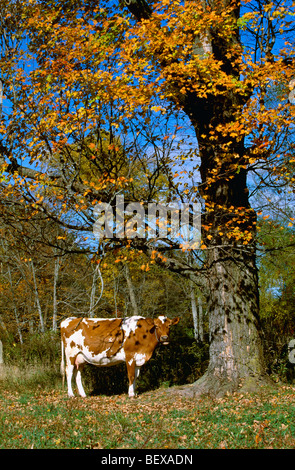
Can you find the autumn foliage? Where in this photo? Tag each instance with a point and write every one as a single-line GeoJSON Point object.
{"type": "Point", "coordinates": [185, 102]}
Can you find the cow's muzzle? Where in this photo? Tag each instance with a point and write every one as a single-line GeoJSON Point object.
{"type": "Point", "coordinates": [164, 339]}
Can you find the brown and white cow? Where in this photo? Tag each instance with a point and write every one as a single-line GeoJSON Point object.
{"type": "Point", "coordinates": [105, 342]}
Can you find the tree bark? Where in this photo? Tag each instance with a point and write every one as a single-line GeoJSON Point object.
{"type": "Point", "coordinates": [236, 353]}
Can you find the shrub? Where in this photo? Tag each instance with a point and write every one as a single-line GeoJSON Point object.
{"type": "Point", "coordinates": [37, 349]}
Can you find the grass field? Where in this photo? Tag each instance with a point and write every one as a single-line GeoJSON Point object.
{"type": "Point", "coordinates": [46, 419]}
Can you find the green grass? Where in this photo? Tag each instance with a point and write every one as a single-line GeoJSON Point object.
{"type": "Point", "coordinates": [47, 419]}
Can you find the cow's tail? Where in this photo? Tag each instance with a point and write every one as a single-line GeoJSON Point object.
{"type": "Point", "coordinates": [62, 364]}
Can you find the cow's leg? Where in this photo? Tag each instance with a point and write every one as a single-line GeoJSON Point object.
{"type": "Point", "coordinates": [133, 373]}
{"type": "Point", "coordinates": [137, 371]}
{"type": "Point", "coordinates": [79, 382]}
{"type": "Point", "coordinates": [79, 362]}
{"type": "Point", "coordinates": [69, 374]}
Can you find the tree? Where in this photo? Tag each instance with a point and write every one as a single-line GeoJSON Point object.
{"type": "Point", "coordinates": [119, 66]}
{"type": "Point", "coordinates": [197, 51]}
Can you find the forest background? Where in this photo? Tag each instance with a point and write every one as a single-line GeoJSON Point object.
{"type": "Point", "coordinates": [86, 115]}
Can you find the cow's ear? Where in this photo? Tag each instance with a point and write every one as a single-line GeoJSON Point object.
{"type": "Point", "coordinates": [149, 322]}
{"type": "Point", "coordinates": [175, 321]}
{"type": "Point", "coordinates": [152, 330]}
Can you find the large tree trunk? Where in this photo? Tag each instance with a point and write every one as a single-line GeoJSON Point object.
{"type": "Point", "coordinates": [236, 352]}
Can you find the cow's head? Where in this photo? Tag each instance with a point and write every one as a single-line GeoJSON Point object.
{"type": "Point", "coordinates": [162, 330]}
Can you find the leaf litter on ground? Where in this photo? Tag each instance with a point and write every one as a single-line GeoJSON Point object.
{"type": "Point", "coordinates": [159, 419]}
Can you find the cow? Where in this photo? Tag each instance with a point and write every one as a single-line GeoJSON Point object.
{"type": "Point", "coordinates": [105, 342]}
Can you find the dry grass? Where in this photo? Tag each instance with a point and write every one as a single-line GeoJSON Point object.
{"type": "Point", "coordinates": [28, 378]}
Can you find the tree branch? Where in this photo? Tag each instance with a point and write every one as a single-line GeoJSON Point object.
{"type": "Point", "coordinates": [56, 180]}
{"type": "Point", "coordinates": [139, 8]}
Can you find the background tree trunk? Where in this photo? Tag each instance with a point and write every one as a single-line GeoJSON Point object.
{"type": "Point", "coordinates": [194, 311]}
{"type": "Point", "coordinates": [37, 300]}
{"type": "Point", "coordinates": [93, 301]}
{"type": "Point", "coordinates": [91, 312]}
{"type": "Point", "coordinates": [55, 301]}
{"type": "Point", "coordinates": [200, 319]}
{"type": "Point", "coordinates": [131, 290]}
